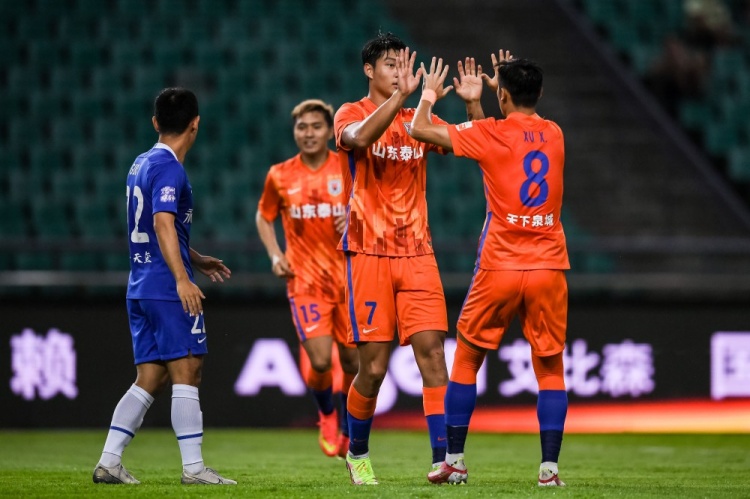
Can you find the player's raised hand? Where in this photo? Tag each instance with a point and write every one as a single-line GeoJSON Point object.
{"type": "Point", "coordinates": [213, 268]}
{"type": "Point", "coordinates": [281, 268]}
{"type": "Point", "coordinates": [408, 81]}
{"type": "Point", "coordinates": [469, 82]}
{"type": "Point", "coordinates": [435, 78]}
{"type": "Point", "coordinates": [190, 296]}
{"type": "Point", "coordinates": [502, 58]}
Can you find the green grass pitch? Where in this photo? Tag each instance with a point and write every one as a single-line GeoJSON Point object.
{"type": "Point", "coordinates": [288, 463]}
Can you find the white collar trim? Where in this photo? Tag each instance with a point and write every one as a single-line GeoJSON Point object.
{"type": "Point", "coordinates": [160, 145]}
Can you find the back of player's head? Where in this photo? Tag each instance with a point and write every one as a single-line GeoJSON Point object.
{"type": "Point", "coordinates": [522, 78]}
{"type": "Point", "coordinates": [174, 109]}
{"type": "Point", "coordinates": [381, 44]}
{"type": "Point", "coordinates": [312, 105]}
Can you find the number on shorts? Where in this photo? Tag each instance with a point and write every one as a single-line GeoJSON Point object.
{"type": "Point", "coordinates": [196, 329]}
{"type": "Point", "coordinates": [372, 305]}
{"type": "Point", "coordinates": [314, 314]}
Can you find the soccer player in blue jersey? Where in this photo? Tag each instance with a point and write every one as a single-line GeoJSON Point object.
{"type": "Point", "coordinates": [164, 303]}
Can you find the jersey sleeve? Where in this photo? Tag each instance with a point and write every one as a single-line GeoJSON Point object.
{"type": "Point", "coordinates": [167, 181]}
{"type": "Point", "coordinates": [270, 201]}
{"type": "Point", "coordinates": [470, 139]}
{"type": "Point", "coordinates": [346, 115]}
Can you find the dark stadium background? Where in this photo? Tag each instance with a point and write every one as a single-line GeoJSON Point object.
{"type": "Point", "coordinates": [657, 201]}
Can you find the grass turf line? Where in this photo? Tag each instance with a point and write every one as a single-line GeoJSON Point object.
{"type": "Point", "coordinates": [288, 463]}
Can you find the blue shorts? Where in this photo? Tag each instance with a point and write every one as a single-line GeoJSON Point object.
{"type": "Point", "coordinates": [162, 331]}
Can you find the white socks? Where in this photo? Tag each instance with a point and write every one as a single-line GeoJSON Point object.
{"type": "Point", "coordinates": [187, 422]}
{"type": "Point", "coordinates": [549, 465]}
{"type": "Point", "coordinates": [126, 420]}
{"type": "Point", "coordinates": [455, 460]}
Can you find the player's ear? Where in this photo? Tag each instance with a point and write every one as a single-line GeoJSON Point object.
{"type": "Point", "coordinates": [155, 124]}
{"type": "Point", "coordinates": [541, 92]}
{"type": "Point", "coordinates": [194, 123]}
{"type": "Point", "coordinates": [369, 70]}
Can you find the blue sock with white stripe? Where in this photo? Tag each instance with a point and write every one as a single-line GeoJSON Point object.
{"type": "Point", "coordinates": [187, 422]}
{"type": "Point", "coordinates": [126, 420]}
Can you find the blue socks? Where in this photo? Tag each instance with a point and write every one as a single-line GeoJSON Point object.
{"type": "Point", "coordinates": [460, 401]}
{"type": "Point", "coordinates": [436, 426]}
{"type": "Point", "coordinates": [552, 407]}
{"type": "Point", "coordinates": [324, 399]}
{"type": "Point", "coordinates": [359, 435]}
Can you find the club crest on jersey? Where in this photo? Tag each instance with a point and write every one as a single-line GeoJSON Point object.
{"type": "Point", "coordinates": [334, 186]}
{"type": "Point", "coordinates": [168, 194]}
{"type": "Point", "coordinates": [407, 127]}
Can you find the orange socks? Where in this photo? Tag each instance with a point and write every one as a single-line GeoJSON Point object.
{"type": "Point", "coordinates": [360, 406]}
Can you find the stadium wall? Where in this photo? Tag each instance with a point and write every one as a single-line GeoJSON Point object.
{"type": "Point", "coordinates": [66, 364]}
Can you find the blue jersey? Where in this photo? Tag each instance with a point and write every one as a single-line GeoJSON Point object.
{"type": "Point", "coordinates": [156, 182]}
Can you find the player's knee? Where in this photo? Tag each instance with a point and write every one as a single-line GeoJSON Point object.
{"type": "Point", "coordinates": [549, 371]}
{"type": "Point", "coordinates": [320, 365]}
{"type": "Point", "coordinates": [373, 374]}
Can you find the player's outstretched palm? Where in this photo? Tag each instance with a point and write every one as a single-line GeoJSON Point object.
{"type": "Point", "coordinates": [408, 81]}
{"type": "Point", "coordinates": [435, 78]}
{"type": "Point", "coordinates": [502, 58]}
{"type": "Point", "coordinates": [469, 82]}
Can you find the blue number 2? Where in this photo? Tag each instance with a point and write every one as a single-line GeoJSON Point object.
{"type": "Point", "coordinates": [535, 178]}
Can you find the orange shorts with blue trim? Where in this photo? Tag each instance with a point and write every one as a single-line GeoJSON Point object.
{"type": "Point", "coordinates": [314, 317]}
{"type": "Point", "coordinates": [538, 297]}
{"type": "Point", "coordinates": [386, 293]}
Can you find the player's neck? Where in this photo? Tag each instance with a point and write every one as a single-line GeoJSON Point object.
{"type": "Point", "coordinates": [314, 161]}
{"type": "Point", "coordinates": [377, 98]}
{"type": "Point", "coordinates": [178, 143]}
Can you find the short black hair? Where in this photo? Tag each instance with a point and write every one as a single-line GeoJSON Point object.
{"type": "Point", "coordinates": [523, 79]}
{"type": "Point", "coordinates": [174, 109]}
{"type": "Point", "coordinates": [381, 44]}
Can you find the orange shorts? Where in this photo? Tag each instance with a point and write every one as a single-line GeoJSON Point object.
{"type": "Point", "coordinates": [314, 317]}
{"type": "Point", "coordinates": [539, 297]}
{"type": "Point", "coordinates": [383, 292]}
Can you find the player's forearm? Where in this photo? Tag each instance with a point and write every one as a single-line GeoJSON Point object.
{"type": "Point", "coordinates": [424, 130]}
{"type": "Point", "coordinates": [474, 111]}
{"type": "Point", "coordinates": [169, 245]}
{"type": "Point", "coordinates": [195, 257]}
{"type": "Point", "coordinates": [267, 234]}
{"type": "Point", "coordinates": [363, 134]}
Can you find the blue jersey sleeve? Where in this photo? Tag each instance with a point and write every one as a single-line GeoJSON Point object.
{"type": "Point", "coordinates": [167, 183]}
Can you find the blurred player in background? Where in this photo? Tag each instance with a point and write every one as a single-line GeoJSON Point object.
{"type": "Point", "coordinates": [164, 303]}
{"type": "Point", "coordinates": [392, 276]}
{"type": "Point", "coordinates": [307, 190]}
{"type": "Point", "coordinates": [522, 253]}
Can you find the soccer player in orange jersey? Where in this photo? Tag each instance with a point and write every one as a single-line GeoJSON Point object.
{"type": "Point", "coordinates": [522, 254]}
{"type": "Point", "coordinates": [392, 279]}
{"type": "Point", "coordinates": [307, 190]}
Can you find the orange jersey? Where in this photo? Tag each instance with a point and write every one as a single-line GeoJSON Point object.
{"type": "Point", "coordinates": [386, 182]}
{"type": "Point", "coordinates": [522, 159]}
{"type": "Point", "coordinates": [309, 201]}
